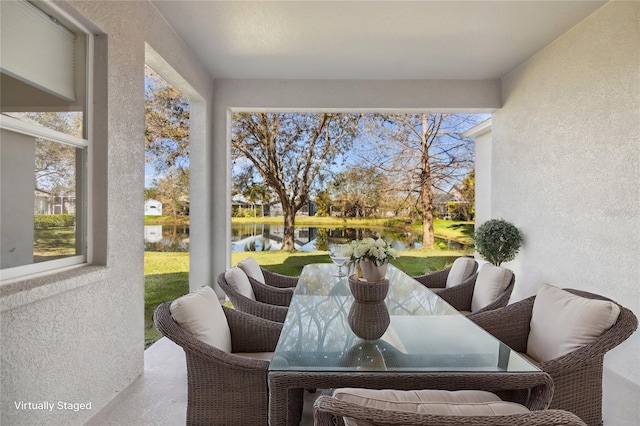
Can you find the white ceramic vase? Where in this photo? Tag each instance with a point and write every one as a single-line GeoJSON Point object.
{"type": "Point", "coordinates": [372, 272]}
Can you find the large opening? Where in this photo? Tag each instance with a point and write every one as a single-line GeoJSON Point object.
{"type": "Point", "coordinates": [167, 195]}
{"type": "Point", "coordinates": [375, 172]}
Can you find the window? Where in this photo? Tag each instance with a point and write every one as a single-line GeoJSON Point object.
{"type": "Point", "coordinates": [44, 144]}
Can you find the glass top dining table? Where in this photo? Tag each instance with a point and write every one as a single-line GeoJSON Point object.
{"type": "Point", "coordinates": [412, 340]}
{"type": "Point", "coordinates": [420, 331]}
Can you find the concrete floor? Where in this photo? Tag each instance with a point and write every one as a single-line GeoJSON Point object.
{"type": "Point", "coordinates": [159, 396]}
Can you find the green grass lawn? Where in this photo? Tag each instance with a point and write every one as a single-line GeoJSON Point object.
{"type": "Point", "coordinates": [167, 274]}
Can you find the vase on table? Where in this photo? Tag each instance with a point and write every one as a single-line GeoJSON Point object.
{"type": "Point", "coordinates": [368, 291]}
{"type": "Point", "coordinates": [369, 321]}
{"type": "Point", "coordinates": [372, 272]}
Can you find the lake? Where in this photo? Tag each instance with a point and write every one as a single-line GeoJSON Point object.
{"type": "Point", "coordinates": [258, 237]}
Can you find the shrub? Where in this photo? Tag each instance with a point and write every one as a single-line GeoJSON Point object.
{"type": "Point", "coordinates": [498, 241]}
{"type": "Point", "coordinates": [46, 221]}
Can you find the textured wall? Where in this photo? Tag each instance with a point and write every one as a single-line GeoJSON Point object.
{"type": "Point", "coordinates": [78, 336]}
{"type": "Point", "coordinates": [566, 165]}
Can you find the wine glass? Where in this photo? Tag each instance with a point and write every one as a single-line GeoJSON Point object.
{"type": "Point", "coordinates": [337, 255]}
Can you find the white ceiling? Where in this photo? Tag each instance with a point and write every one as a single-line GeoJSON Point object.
{"type": "Point", "coordinates": [385, 40]}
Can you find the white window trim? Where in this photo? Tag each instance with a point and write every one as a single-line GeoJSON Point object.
{"type": "Point", "coordinates": [23, 272]}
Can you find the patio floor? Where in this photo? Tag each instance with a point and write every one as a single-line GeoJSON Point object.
{"type": "Point", "coordinates": [159, 396]}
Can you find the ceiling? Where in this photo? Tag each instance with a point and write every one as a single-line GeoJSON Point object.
{"type": "Point", "coordinates": [362, 40]}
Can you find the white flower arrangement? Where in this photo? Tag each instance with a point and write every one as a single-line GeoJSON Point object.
{"type": "Point", "coordinates": [376, 250]}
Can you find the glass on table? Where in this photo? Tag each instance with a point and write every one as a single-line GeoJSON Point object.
{"type": "Point", "coordinates": [338, 255]}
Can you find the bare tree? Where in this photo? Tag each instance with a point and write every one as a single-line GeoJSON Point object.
{"type": "Point", "coordinates": [292, 152]}
{"type": "Point", "coordinates": [420, 152]}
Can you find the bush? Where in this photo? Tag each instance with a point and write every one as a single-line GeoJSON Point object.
{"type": "Point", "coordinates": [46, 221]}
{"type": "Point", "coordinates": [498, 241]}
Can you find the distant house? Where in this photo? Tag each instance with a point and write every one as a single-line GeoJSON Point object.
{"type": "Point", "coordinates": [152, 208]}
{"type": "Point", "coordinates": [308, 209]}
{"type": "Point", "coordinates": [48, 203]}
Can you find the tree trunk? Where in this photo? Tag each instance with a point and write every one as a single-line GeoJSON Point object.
{"type": "Point", "coordinates": [427, 217]}
{"type": "Point", "coordinates": [425, 189]}
{"type": "Point", "coordinates": [288, 242]}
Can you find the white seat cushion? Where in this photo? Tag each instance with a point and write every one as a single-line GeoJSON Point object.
{"type": "Point", "coordinates": [462, 268]}
{"type": "Point", "coordinates": [238, 280]}
{"type": "Point", "coordinates": [252, 269]}
{"type": "Point", "coordinates": [200, 314]}
{"type": "Point", "coordinates": [491, 282]}
{"type": "Point", "coordinates": [428, 401]}
{"type": "Point", "coordinates": [562, 322]}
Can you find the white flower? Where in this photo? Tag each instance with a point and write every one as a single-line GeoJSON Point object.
{"type": "Point", "coordinates": [377, 251]}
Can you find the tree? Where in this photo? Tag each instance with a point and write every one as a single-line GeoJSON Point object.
{"type": "Point", "coordinates": [172, 190]}
{"type": "Point", "coordinates": [420, 152]}
{"type": "Point", "coordinates": [55, 163]}
{"type": "Point", "coordinates": [292, 152]}
{"type": "Point", "coordinates": [358, 191]}
{"type": "Point", "coordinates": [166, 124]}
{"type": "Point", "coordinates": [323, 203]}
{"type": "Point", "coordinates": [257, 192]}
{"type": "Point", "coordinates": [468, 202]}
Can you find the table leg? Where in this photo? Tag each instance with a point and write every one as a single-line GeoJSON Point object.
{"type": "Point", "coordinates": [278, 401]}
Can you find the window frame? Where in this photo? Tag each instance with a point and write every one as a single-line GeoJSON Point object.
{"type": "Point", "coordinates": [84, 170]}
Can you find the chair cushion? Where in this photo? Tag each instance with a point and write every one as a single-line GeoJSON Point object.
{"type": "Point", "coordinates": [428, 401]}
{"type": "Point", "coordinates": [562, 322]}
{"type": "Point", "coordinates": [252, 269]}
{"type": "Point", "coordinates": [200, 314]}
{"type": "Point", "coordinates": [237, 279]}
{"type": "Point", "coordinates": [462, 268]}
{"type": "Point", "coordinates": [491, 282]}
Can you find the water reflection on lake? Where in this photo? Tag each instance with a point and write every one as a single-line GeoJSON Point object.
{"type": "Point", "coordinates": [259, 237]}
{"type": "Point", "coordinates": [171, 238]}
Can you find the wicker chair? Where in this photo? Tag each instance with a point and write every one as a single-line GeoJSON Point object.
{"type": "Point", "coordinates": [257, 273]}
{"type": "Point", "coordinates": [577, 375]}
{"type": "Point", "coordinates": [271, 303]}
{"type": "Point", "coordinates": [461, 297]}
{"type": "Point", "coordinates": [332, 411]}
{"type": "Point", "coordinates": [224, 388]}
{"type": "Point", "coordinates": [438, 280]}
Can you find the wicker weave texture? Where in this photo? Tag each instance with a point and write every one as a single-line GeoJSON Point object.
{"type": "Point", "coordinates": [506, 385]}
{"type": "Point", "coordinates": [329, 411]}
{"type": "Point", "coordinates": [438, 280]}
{"type": "Point", "coordinates": [278, 280]}
{"type": "Point", "coordinates": [577, 376]}
{"type": "Point", "coordinates": [270, 304]}
{"type": "Point", "coordinates": [223, 388]}
{"type": "Point", "coordinates": [368, 292]}
{"type": "Point", "coordinates": [460, 296]}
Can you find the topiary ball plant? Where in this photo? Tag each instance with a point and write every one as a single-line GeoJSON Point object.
{"type": "Point", "coordinates": [497, 241]}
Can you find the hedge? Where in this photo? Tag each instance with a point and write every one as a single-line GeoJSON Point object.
{"type": "Point", "coordinates": [46, 221]}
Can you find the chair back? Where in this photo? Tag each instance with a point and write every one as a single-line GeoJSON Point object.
{"type": "Point", "coordinates": [491, 283]}
{"type": "Point", "coordinates": [462, 268]}
{"type": "Point", "coordinates": [251, 267]}
{"type": "Point", "coordinates": [257, 306]}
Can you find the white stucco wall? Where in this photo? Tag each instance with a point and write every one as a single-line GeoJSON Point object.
{"type": "Point", "coordinates": [78, 336]}
{"type": "Point", "coordinates": [566, 168]}
{"type": "Point", "coordinates": [482, 135]}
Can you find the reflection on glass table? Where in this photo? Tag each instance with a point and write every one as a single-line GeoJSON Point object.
{"type": "Point", "coordinates": [329, 341]}
{"type": "Point", "coordinates": [422, 331]}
